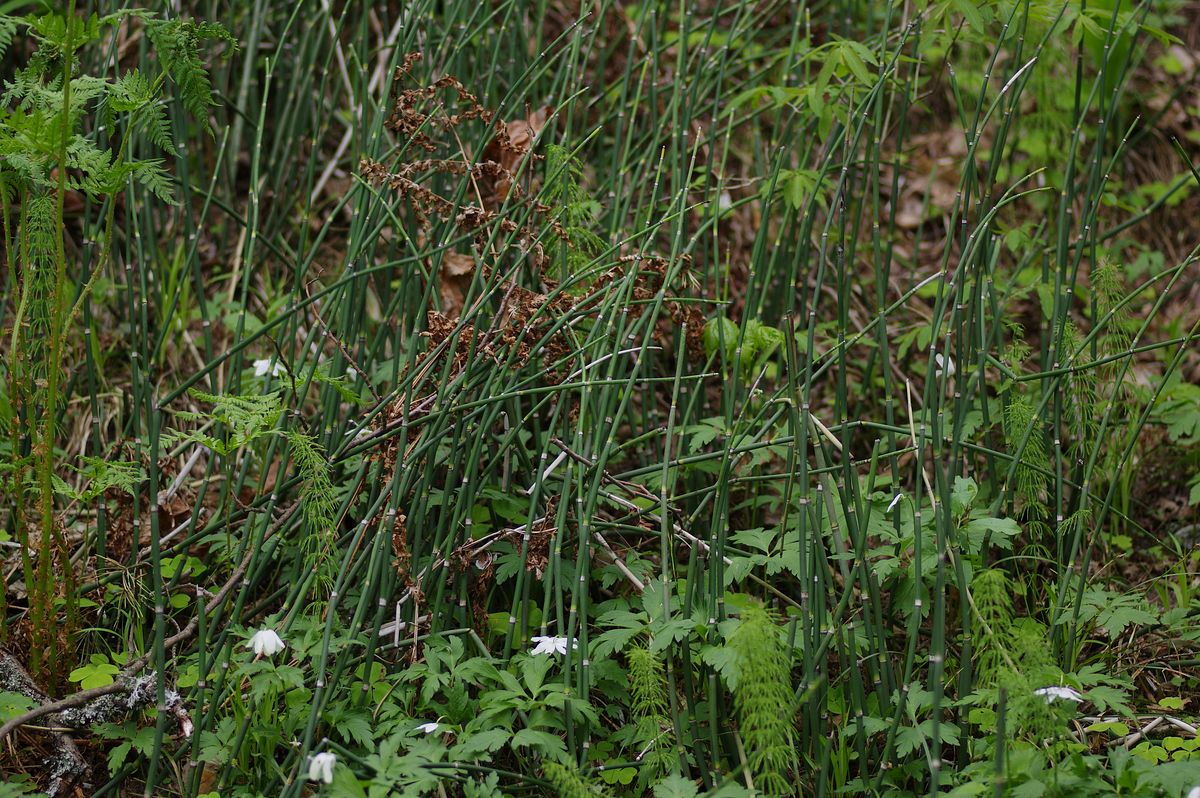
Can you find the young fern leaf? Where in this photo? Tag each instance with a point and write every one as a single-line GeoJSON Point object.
{"type": "Point", "coordinates": [152, 120]}
{"type": "Point", "coordinates": [152, 175]}
{"type": "Point", "coordinates": [177, 43]}
{"type": "Point", "coordinates": [248, 418]}
{"type": "Point", "coordinates": [98, 175]}
{"type": "Point", "coordinates": [245, 418]}
{"type": "Point", "coordinates": [8, 29]}
{"type": "Point", "coordinates": [129, 92]}
{"type": "Point", "coordinates": [103, 475]}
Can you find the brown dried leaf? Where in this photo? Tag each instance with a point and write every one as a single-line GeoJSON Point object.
{"type": "Point", "coordinates": [454, 280]}
{"type": "Point", "coordinates": [512, 143]}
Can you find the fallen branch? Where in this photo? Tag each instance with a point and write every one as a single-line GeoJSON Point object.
{"type": "Point", "coordinates": [90, 704]}
{"type": "Point", "coordinates": [67, 766]}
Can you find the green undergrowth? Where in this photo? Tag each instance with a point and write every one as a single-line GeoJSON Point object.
{"type": "Point", "coordinates": [616, 399]}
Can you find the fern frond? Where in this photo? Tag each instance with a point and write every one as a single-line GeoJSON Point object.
{"type": "Point", "coordinates": [97, 175]}
{"type": "Point", "coordinates": [104, 475]}
{"type": "Point", "coordinates": [23, 84]}
{"type": "Point", "coordinates": [130, 91]}
{"type": "Point", "coordinates": [177, 43]}
{"type": "Point", "coordinates": [8, 29]}
{"type": "Point", "coordinates": [152, 119]}
{"type": "Point", "coordinates": [156, 179]}
{"type": "Point", "coordinates": [244, 417]}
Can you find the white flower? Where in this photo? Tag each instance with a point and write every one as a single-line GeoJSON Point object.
{"type": "Point", "coordinates": [266, 642]}
{"type": "Point", "coordinates": [428, 728]}
{"type": "Point", "coordinates": [895, 500]}
{"type": "Point", "coordinates": [320, 767]}
{"type": "Point", "coordinates": [946, 363]}
{"type": "Point", "coordinates": [263, 367]}
{"type": "Point", "coordinates": [724, 201]}
{"type": "Point", "coordinates": [1065, 693]}
{"type": "Point", "coordinates": [1194, 792]}
{"type": "Point", "coordinates": [551, 645]}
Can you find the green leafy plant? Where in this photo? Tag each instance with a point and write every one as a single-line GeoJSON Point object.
{"type": "Point", "coordinates": [763, 696]}
{"type": "Point", "coordinates": [46, 152]}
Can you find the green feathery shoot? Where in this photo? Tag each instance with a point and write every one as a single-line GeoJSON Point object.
{"type": "Point", "coordinates": [244, 420]}
{"type": "Point", "coordinates": [568, 783]}
{"type": "Point", "coordinates": [992, 593]}
{"type": "Point", "coordinates": [578, 211]}
{"type": "Point", "coordinates": [763, 698]}
{"type": "Point", "coordinates": [648, 703]}
{"type": "Point", "coordinates": [1022, 424]}
{"type": "Point", "coordinates": [317, 492]}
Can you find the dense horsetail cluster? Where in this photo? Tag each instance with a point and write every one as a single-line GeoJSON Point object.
{"type": "Point", "coordinates": [600, 398]}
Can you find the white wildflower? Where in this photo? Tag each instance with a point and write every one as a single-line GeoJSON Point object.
{"type": "Point", "coordinates": [551, 645]}
{"type": "Point", "coordinates": [264, 367]}
{"type": "Point", "coordinates": [895, 500]}
{"type": "Point", "coordinates": [428, 728]}
{"type": "Point", "coordinates": [724, 201]}
{"type": "Point", "coordinates": [1065, 693]}
{"type": "Point", "coordinates": [320, 767]}
{"type": "Point", "coordinates": [944, 363]}
{"type": "Point", "coordinates": [266, 643]}
{"type": "Point", "coordinates": [1194, 792]}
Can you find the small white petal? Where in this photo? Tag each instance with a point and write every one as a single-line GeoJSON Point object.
{"type": "Point", "coordinates": [1194, 792]}
{"type": "Point", "coordinates": [895, 500]}
{"type": "Point", "coordinates": [1065, 693]}
{"type": "Point", "coordinates": [320, 767]}
{"type": "Point", "coordinates": [266, 642]}
{"type": "Point", "coordinates": [724, 201]}
{"type": "Point", "coordinates": [946, 363]}
{"type": "Point", "coordinates": [264, 367]}
{"type": "Point", "coordinates": [551, 645]}
{"type": "Point", "coordinates": [429, 728]}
